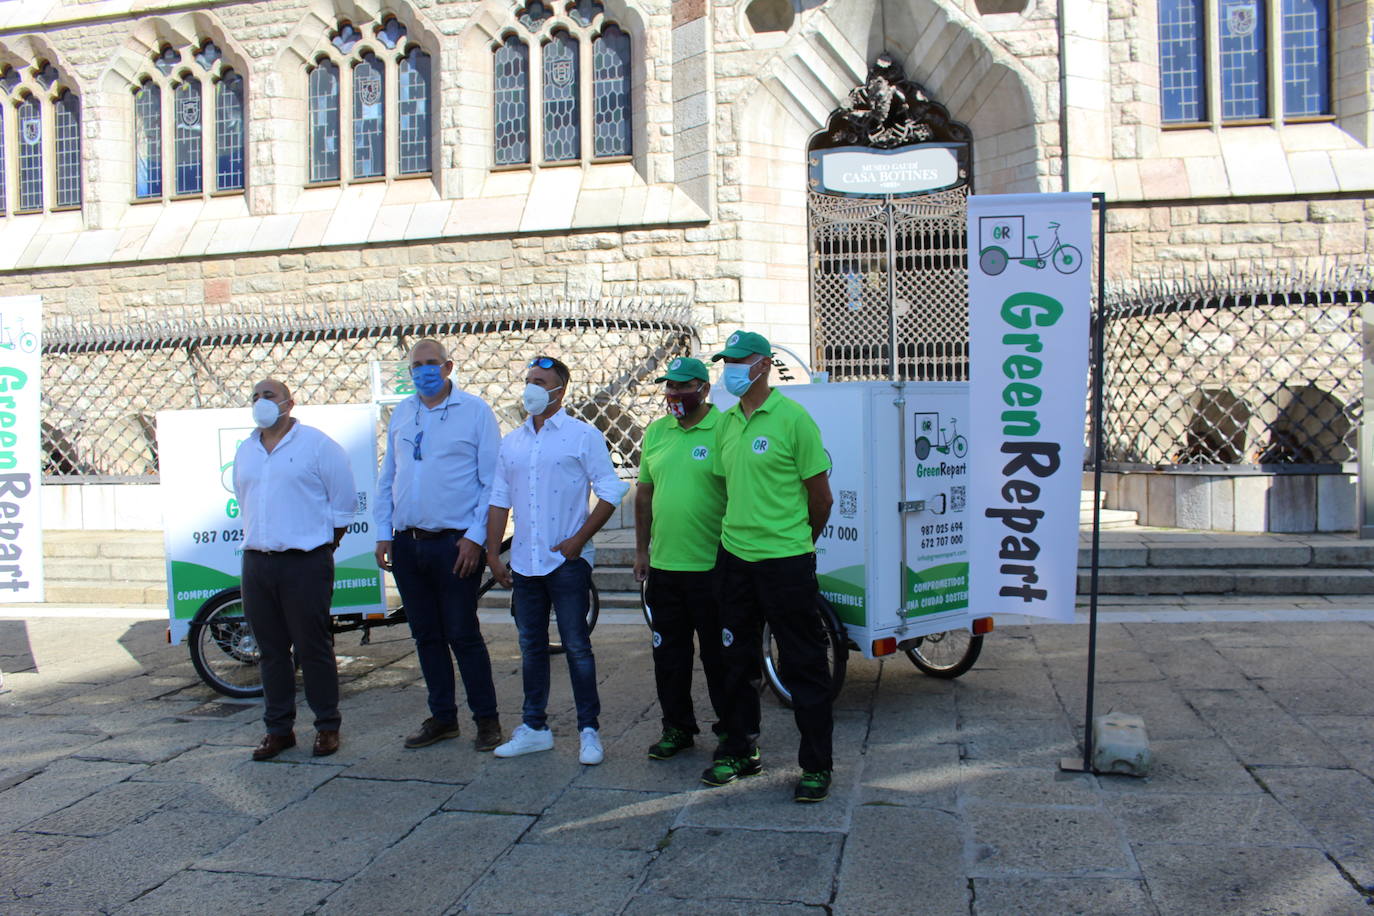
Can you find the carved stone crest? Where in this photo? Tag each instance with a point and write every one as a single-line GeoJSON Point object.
{"type": "Point", "coordinates": [888, 111]}
{"type": "Point", "coordinates": [561, 72]}
{"type": "Point", "coordinates": [369, 88]}
{"type": "Point", "coordinates": [32, 130]}
{"type": "Point", "coordinates": [188, 110]}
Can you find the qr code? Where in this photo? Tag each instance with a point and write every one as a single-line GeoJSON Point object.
{"type": "Point", "coordinates": [362, 502]}
{"type": "Point", "coordinates": [956, 499]}
{"type": "Point", "coordinates": [849, 503]}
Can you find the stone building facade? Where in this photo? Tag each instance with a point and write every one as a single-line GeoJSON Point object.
{"type": "Point", "coordinates": [707, 196]}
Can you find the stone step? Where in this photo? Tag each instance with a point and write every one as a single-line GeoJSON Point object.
{"type": "Point", "coordinates": [117, 570]}
{"type": "Point", "coordinates": [1229, 581]}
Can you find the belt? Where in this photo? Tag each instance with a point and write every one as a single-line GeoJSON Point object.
{"type": "Point", "coordinates": [421, 534]}
{"type": "Point", "coordinates": [292, 550]}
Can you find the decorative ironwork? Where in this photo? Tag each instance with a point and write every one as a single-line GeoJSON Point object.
{"type": "Point", "coordinates": [103, 383]}
{"type": "Point", "coordinates": [888, 111]}
{"type": "Point", "coordinates": [1257, 369]}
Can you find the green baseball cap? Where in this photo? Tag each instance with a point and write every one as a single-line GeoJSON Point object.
{"type": "Point", "coordinates": [744, 343]}
{"type": "Point", "coordinates": [685, 368]}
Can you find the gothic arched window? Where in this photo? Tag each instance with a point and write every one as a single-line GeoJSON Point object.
{"type": "Point", "coordinates": [41, 124]}
{"type": "Point", "coordinates": [567, 41]}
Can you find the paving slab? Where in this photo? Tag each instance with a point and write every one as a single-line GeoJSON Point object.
{"type": "Point", "coordinates": [194, 891]}
{"type": "Point", "coordinates": [1186, 766]}
{"type": "Point", "coordinates": [1249, 820]}
{"type": "Point", "coordinates": [768, 866]}
{"type": "Point", "coordinates": [334, 832]}
{"type": "Point", "coordinates": [105, 811]}
{"type": "Point", "coordinates": [64, 783]}
{"type": "Point", "coordinates": [224, 780]}
{"type": "Point", "coordinates": [919, 777]}
{"type": "Point", "coordinates": [995, 896]}
{"type": "Point", "coordinates": [532, 879]}
{"type": "Point", "coordinates": [608, 819]}
{"type": "Point", "coordinates": [1334, 805]}
{"type": "Point", "coordinates": [1029, 786]}
{"type": "Point", "coordinates": [1045, 840]}
{"type": "Point", "coordinates": [899, 861]}
{"type": "Point", "coordinates": [654, 905]}
{"type": "Point", "coordinates": [1244, 881]}
{"type": "Point", "coordinates": [430, 868]}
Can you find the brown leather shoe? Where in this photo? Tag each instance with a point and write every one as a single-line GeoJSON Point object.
{"type": "Point", "coordinates": [488, 734]}
{"type": "Point", "coordinates": [272, 745]}
{"type": "Point", "coordinates": [326, 742]}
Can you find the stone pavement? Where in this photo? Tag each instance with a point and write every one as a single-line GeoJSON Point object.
{"type": "Point", "coordinates": [125, 786]}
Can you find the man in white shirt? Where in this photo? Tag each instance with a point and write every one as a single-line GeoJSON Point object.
{"type": "Point", "coordinates": [431, 516]}
{"type": "Point", "coordinates": [546, 467]}
{"type": "Point", "coordinates": [295, 491]}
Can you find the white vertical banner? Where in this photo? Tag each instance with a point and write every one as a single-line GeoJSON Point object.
{"type": "Point", "coordinates": [1030, 303]}
{"type": "Point", "coordinates": [21, 452]}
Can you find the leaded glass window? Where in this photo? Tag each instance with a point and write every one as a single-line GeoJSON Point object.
{"type": "Point", "coordinates": [561, 122]}
{"type": "Point", "coordinates": [148, 140]}
{"type": "Point", "coordinates": [67, 149]}
{"type": "Point", "coordinates": [611, 93]}
{"type": "Point", "coordinates": [413, 116]}
{"type": "Point", "coordinates": [391, 33]}
{"type": "Point", "coordinates": [186, 137]}
{"type": "Point", "coordinates": [30, 117]}
{"type": "Point", "coordinates": [1181, 61]}
{"type": "Point", "coordinates": [229, 133]}
{"type": "Point", "coordinates": [512, 83]}
{"type": "Point", "coordinates": [1306, 69]}
{"type": "Point", "coordinates": [1244, 68]}
{"type": "Point", "coordinates": [3, 197]}
{"type": "Point", "coordinates": [324, 122]}
{"type": "Point", "coordinates": [369, 118]}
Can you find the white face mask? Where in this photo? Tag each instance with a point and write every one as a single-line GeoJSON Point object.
{"type": "Point", "coordinates": [536, 398]}
{"type": "Point", "coordinates": [265, 412]}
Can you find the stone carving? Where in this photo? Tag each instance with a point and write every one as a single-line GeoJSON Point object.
{"type": "Point", "coordinates": [888, 111]}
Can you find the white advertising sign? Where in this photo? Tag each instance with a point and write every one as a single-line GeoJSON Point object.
{"type": "Point", "coordinates": [909, 170]}
{"type": "Point", "coordinates": [21, 453]}
{"type": "Point", "coordinates": [201, 523]}
{"type": "Point", "coordinates": [1030, 294]}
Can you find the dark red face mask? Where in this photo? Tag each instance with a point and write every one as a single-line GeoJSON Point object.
{"type": "Point", "coordinates": [681, 403]}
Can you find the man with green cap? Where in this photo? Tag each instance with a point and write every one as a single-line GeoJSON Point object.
{"type": "Point", "coordinates": [678, 510]}
{"type": "Point", "coordinates": [778, 500]}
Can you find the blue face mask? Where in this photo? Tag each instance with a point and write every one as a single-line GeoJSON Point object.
{"type": "Point", "coordinates": [429, 380]}
{"type": "Point", "coordinates": [736, 378]}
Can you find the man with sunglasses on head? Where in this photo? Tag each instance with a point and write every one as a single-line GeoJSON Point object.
{"type": "Point", "coordinates": [777, 502]}
{"type": "Point", "coordinates": [678, 509]}
{"type": "Point", "coordinates": [431, 515]}
{"type": "Point", "coordinates": [546, 469]}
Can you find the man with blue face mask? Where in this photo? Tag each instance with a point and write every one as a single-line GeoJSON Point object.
{"type": "Point", "coordinates": [546, 468]}
{"type": "Point", "coordinates": [777, 501]}
{"type": "Point", "coordinates": [431, 515]}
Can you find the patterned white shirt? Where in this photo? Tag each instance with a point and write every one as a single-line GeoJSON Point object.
{"type": "Point", "coordinates": [449, 485]}
{"type": "Point", "coordinates": [293, 497]}
{"type": "Point", "coordinates": [545, 478]}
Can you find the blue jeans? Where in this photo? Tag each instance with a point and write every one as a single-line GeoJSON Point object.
{"type": "Point", "coordinates": [441, 607]}
{"type": "Point", "coordinates": [568, 590]}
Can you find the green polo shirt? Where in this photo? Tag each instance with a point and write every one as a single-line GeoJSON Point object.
{"type": "Point", "coordinates": [689, 498]}
{"type": "Point", "coordinates": [764, 460]}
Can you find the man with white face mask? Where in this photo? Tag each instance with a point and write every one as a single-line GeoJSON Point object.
{"type": "Point", "coordinates": [295, 490]}
{"type": "Point", "coordinates": [431, 515]}
{"type": "Point", "coordinates": [546, 467]}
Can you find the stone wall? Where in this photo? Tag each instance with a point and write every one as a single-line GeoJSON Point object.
{"type": "Point", "coordinates": [1288, 503]}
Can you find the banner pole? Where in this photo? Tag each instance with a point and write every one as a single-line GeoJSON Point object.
{"type": "Point", "coordinates": [1099, 333]}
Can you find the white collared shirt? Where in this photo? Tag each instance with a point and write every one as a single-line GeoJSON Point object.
{"type": "Point", "coordinates": [545, 478]}
{"type": "Point", "coordinates": [450, 485]}
{"type": "Point", "coordinates": [293, 497]}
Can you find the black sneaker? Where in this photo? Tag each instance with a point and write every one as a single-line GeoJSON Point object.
{"type": "Point", "coordinates": [673, 740]}
{"type": "Point", "coordinates": [432, 730]}
{"type": "Point", "coordinates": [813, 786]}
{"type": "Point", "coordinates": [728, 769]}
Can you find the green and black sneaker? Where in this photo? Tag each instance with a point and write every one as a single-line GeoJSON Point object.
{"type": "Point", "coordinates": [673, 740]}
{"type": "Point", "coordinates": [813, 786]}
{"type": "Point", "coordinates": [728, 769]}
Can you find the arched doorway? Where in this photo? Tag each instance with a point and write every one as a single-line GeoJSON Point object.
{"type": "Point", "coordinates": [889, 179]}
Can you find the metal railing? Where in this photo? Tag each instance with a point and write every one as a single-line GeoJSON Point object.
{"type": "Point", "coordinates": [1262, 369]}
{"type": "Point", "coordinates": [104, 382]}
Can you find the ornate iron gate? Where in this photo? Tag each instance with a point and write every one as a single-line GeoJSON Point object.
{"type": "Point", "coordinates": [889, 277]}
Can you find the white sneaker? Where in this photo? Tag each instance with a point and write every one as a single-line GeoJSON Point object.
{"type": "Point", "coordinates": [592, 753]}
{"type": "Point", "coordinates": [526, 740]}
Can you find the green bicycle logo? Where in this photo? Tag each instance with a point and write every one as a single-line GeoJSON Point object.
{"type": "Point", "coordinates": [1002, 239]}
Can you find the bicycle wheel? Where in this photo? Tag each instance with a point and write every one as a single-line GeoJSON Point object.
{"type": "Point", "coordinates": [993, 261]}
{"type": "Point", "coordinates": [1067, 259]}
{"type": "Point", "coordinates": [837, 654]}
{"type": "Point", "coordinates": [223, 649]}
{"type": "Point", "coordinates": [922, 448]}
{"type": "Point", "coordinates": [960, 445]}
{"type": "Point", "coordinates": [946, 655]}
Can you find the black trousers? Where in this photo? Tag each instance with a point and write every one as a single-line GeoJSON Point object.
{"type": "Point", "coordinates": [683, 604]}
{"type": "Point", "coordinates": [286, 599]}
{"type": "Point", "coordinates": [782, 592]}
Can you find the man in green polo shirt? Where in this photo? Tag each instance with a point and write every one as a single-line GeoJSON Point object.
{"type": "Point", "coordinates": [678, 509]}
{"type": "Point", "coordinates": [778, 500]}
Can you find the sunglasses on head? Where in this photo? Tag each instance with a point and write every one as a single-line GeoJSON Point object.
{"type": "Point", "coordinates": [541, 362]}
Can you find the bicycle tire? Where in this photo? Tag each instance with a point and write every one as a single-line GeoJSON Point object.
{"type": "Point", "coordinates": [959, 446]}
{"type": "Point", "coordinates": [223, 650]}
{"type": "Point", "coordinates": [644, 604]}
{"type": "Point", "coordinates": [946, 655]}
{"type": "Point", "coordinates": [837, 654]}
{"type": "Point", "coordinates": [1067, 259]}
{"type": "Point", "coordinates": [992, 261]}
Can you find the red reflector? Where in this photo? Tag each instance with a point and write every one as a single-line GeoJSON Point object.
{"type": "Point", "coordinates": [884, 646]}
{"type": "Point", "coordinates": [982, 625]}
{"type": "Point", "coordinates": [375, 616]}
